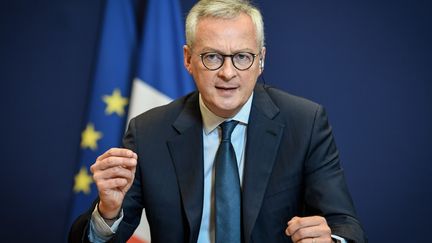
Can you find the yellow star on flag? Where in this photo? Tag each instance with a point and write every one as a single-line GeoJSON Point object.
{"type": "Point", "coordinates": [82, 181]}
{"type": "Point", "coordinates": [115, 103]}
{"type": "Point", "coordinates": [89, 137]}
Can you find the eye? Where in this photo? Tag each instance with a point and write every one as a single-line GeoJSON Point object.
{"type": "Point", "coordinates": [243, 58]}
{"type": "Point", "coordinates": [212, 57]}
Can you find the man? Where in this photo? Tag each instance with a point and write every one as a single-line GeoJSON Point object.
{"type": "Point", "coordinates": [287, 185]}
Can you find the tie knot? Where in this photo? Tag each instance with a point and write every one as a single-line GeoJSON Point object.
{"type": "Point", "coordinates": [227, 128]}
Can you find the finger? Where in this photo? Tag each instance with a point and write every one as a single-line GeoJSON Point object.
{"type": "Point", "coordinates": [104, 185]}
{"type": "Point", "coordinates": [320, 232]}
{"type": "Point", "coordinates": [113, 172]}
{"type": "Point", "coordinates": [119, 152]}
{"type": "Point", "coordinates": [297, 223]}
{"type": "Point", "coordinates": [310, 240]}
{"type": "Point", "coordinates": [293, 220]}
{"type": "Point", "coordinates": [113, 161]}
{"type": "Point", "coordinates": [305, 234]}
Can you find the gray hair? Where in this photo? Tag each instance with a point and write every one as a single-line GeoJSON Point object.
{"type": "Point", "coordinates": [225, 9]}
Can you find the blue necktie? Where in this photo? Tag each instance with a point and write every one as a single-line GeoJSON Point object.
{"type": "Point", "coordinates": [227, 189]}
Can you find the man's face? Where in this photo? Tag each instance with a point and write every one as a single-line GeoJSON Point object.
{"type": "Point", "coordinates": [225, 90]}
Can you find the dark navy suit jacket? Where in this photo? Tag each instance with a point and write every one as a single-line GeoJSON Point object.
{"type": "Point", "coordinates": [291, 169]}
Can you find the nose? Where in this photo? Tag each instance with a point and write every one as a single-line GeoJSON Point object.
{"type": "Point", "coordinates": [227, 71]}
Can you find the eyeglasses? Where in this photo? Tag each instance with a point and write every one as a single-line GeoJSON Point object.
{"type": "Point", "coordinates": [241, 60]}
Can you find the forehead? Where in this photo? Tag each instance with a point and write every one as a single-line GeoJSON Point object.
{"type": "Point", "coordinates": [226, 35]}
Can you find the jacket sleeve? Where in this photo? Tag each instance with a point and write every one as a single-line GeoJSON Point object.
{"type": "Point", "coordinates": [326, 191]}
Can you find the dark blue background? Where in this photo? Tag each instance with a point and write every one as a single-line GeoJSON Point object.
{"type": "Point", "coordinates": [368, 62]}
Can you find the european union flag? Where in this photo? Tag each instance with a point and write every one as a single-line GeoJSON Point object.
{"type": "Point", "coordinates": [107, 105]}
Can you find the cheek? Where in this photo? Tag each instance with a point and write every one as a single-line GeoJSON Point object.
{"type": "Point", "coordinates": [203, 83]}
{"type": "Point", "coordinates": [249, 82]}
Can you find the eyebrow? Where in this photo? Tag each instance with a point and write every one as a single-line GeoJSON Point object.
{"type": "Point", "coordinates": [209, 49]}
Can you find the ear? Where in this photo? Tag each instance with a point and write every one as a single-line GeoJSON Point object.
{"type": "Point", "coordinates": [262, 59]}
{"type": "Point", "coordinates": [187, 55]}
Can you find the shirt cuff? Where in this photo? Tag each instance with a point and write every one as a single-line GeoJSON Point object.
{"type": "Point", "coordinates": [100, 231]}
{"type": "Point", "coordinates": [338, 239]}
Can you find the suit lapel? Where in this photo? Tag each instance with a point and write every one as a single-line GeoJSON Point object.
{"type": "Point", "coordinates": [186, 151]}
{"type": "Point", "coordinates": [263, 139]}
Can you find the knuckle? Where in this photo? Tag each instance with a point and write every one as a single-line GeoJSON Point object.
{"type": "Point", "coordinates": [295, 238]}
{"type": "Point", "coordinates": [301, 233]}
{"type": "Point", "coordinates": [126, 152]}
{"type": "Point", "coordinates": [323, 219]}
{"type": "Point", "coordinates": [120, 182]}
{"type": "Point", "coordinates": [95, 177]}
{"type": "Point", "coordinates": [110, 161]}
{"type": "Point", "coordinates": [300, 223]}
{"type": "Point", "coordinates": [92, 168]}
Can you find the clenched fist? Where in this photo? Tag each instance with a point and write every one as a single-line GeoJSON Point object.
{"type": "Point", "coordinates": [312, 229]}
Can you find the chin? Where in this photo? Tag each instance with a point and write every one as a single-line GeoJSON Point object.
{"type": "Point", "coordinates": [227, 110]}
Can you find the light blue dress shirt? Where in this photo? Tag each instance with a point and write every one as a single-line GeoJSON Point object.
{"type": "Point", "coordinates": [211, 140]}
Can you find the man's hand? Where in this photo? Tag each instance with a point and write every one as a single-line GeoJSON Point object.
{"type": "Point", "coordinates": [113, 173]}
{"type": "Point", "coordinates": [312, 229]}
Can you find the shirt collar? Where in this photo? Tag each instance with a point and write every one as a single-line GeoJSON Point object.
{"type": "Point", "coordinates": [212, 121]}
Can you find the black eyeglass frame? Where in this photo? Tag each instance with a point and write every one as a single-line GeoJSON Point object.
{"type": "Point", "coordinates": [231, 56]}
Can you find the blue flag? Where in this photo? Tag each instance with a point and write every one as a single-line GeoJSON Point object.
{"type": "Point", "coordinates": [161, 75]}
{"type": "Point", "coordinates": [149, 53]}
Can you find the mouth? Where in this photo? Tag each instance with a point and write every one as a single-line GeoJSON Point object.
{"type": "Point", "coordinates": [226, 88]}
{"type": "Point", "coordinates": [226, 92]}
